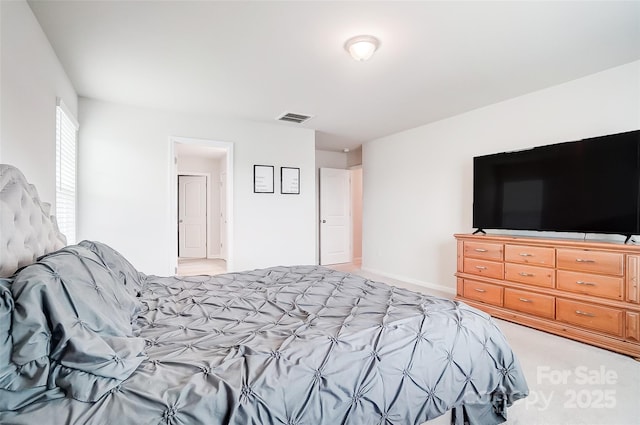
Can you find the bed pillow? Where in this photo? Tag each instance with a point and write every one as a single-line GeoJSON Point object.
{"type": "Point", "coordinates": [6, 307]}
{"type": "Point", "coordinates": [73, 311]}
{"type": "Point", "coordinates": [131, 278]}
{"type": "Point", "coordinates": [16, 385]}
{"type": "Point", "coordinates": [13, 377]}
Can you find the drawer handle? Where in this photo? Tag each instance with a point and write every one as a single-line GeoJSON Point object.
{"type": "Point", "coordinates": [526, 274]}
{"type": "Point", "coordinates": [481, 268]}
{"type": "Point", "coordinates": [579, 282]}
{"type": "Point", "coordinates": [584, 313]}
{"type": "Point", "coordinates": [480, 290]}
{"type": "Point", "coordinates": [524, 254]}
{"type": "Point", "coordinates": [480, 250]}
{"type": "Point", "coordinates": [525, 300]}
{"type": "Point", "coordinates": [585, 260]}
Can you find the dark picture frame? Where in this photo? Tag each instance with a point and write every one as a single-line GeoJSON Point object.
{"type": "Point", "coordinates": [263, 179]}
{"type": "Point", "coordinates": [290, 181]}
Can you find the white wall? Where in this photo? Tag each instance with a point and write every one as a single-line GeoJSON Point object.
{"type": "Point", "coordinates": [124, 171]}
{"type": "Point", "coordinates": [331, 159]}
{"type": "Point", "coordinates": [193, 164]}
{"type": "Point", "coordinates": [340, 160]}
{"type": "Point", "coordinates": [31, 79]}
{"type": "Point", "coordinates": [354, 157]}
{"type": "Point", "coordinates": [418, 184]}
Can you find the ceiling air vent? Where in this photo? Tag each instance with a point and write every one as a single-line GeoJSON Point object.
{"type": "Point", "coordinates": [295, 118]}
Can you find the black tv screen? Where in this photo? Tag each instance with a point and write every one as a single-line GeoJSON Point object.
{"type": "Point", "coordinates": [590, 186]}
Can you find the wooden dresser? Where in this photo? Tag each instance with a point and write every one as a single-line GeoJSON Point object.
{"type": "Point", "coordinates": [587, 291]}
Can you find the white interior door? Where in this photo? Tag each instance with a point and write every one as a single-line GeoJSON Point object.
{"type": "Point", "coordinates": [335, 216]}
{"type": "Point", "coordinates": [192, 216]}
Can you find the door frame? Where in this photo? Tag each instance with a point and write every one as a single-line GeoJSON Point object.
{"type": "Point", "coordinates": [207, 177]}
{"type": "Point", "coordinates": [172, 201]}
{"type": "Point", "coordinates": [355, 216]}
{"type": "Point", "coordinates": [223, 228]}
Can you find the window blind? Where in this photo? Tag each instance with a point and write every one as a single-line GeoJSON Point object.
{"type": "Point", "coordinates": [66, 137]}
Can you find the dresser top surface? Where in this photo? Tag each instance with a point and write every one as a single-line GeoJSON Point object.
{"type": "Point", "coordinates": [546, 241]}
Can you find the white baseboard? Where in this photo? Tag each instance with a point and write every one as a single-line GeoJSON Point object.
{"type": "Point", "coordinates": [429, 285]}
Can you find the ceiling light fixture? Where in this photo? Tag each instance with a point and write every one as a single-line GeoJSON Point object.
{"type": "Point", "coordinates": [362, 47]}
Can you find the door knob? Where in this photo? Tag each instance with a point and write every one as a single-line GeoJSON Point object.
{"type": "Point", "coordinates": [324, 221]}
{"type": "Point", "coordinates": [180, 221]}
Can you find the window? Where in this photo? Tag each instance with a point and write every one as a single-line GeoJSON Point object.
{"type": "Point", "coordinates": [66, 136]}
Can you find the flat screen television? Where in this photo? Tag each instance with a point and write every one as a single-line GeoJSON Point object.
{"type": "Point", "coordinates": [586, 186]}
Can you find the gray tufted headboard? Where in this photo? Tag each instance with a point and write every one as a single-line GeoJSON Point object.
{"type": "Point", "coordinates": [27, 231]}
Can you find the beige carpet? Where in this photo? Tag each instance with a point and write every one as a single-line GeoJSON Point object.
{"type": "Point", "coordinates": [200, 266]}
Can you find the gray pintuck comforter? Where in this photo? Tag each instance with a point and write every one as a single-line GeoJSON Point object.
{"type": "Point", "coordinates": [86, 339]}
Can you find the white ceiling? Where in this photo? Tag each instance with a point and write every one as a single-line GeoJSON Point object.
{"type": "Point", "coordinates": [256, 60]}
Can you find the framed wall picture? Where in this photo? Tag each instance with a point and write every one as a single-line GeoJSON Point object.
{"type": "Point", "coordinates": [263, 178]}
{"type": "Point", "coordinates": [290, 180]}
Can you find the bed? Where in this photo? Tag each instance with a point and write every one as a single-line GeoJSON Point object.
{"type": "Point", "coordinates": [88, 339]}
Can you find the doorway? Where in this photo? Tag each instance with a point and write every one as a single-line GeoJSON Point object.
{"type": "Point", "coordinates": [197, 245]}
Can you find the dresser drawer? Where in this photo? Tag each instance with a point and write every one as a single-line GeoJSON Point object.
{"type": "Point", "coordinates": [534, 255]}
{"type": "Point", "coordinates": [484, 292]}
{"type": "Point", "coordinates": [590, 261]}
{"type": "Point", "coordinates": [532, 275]}
{"type": "Point", "coordinates": [590, 316]}
{"type": "Point", "coordinates": [591, 284]}
{"type": "Point", "coordinates": [632, 326]}
{"type": "Point", "coordinates": [486, 250]}
{"type": "Point", "coordinates": [484, 268]}
{"type": "Point", "coordinates": [526, 302]}
{"type": "Point", "coordinates": [633, 279]}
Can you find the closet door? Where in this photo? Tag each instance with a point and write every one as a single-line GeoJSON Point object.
{"type": "Point", "coordinates": [192, 216]}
